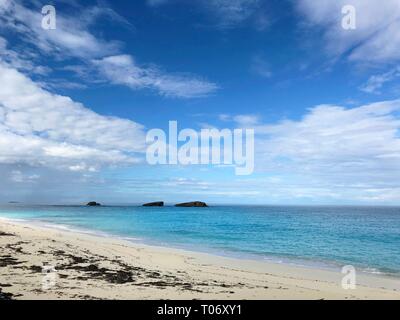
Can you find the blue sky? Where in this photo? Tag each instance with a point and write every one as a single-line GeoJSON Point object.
{"type": "Point", "coordinates": [76, 102]}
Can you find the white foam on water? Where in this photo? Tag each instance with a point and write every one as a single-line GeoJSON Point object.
{"type": "Point", "coordinates": [372, 270]}
{"type": "Point", "coordinates": [92, 232]}
{"type": "Point", "coordinates": [68, 228]}
{"type": "Point", "coordinates": [13, 219]}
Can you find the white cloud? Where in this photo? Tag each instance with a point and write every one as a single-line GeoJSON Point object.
{"type": "Point", "coordinates": [246, 120]}
{"type": "Point", "coordinates": [335, 146]}
{"type": "Point", "coordinates": [44, 129]}
{"type": "Point", "coordinates": [241, 120]}
{"type": "Point", "coordinates": [376, 82]}
{"type": "Point", "coordinates": [19, 177]}
{"type": "Point", "coordinates": [376, 38]}
{"type": "Point", "coordinates": [20, 61]}
{"type": "Point", "coordinates": [73, 39]}
{"type": "Point", "coordinates": [122, 69]}
{"type": "Point", "coordinates": [224, 117]}
{"type": "Point", "coordinates": [332, 154]}
{"type": "Point", "coordinates": [232, 12]}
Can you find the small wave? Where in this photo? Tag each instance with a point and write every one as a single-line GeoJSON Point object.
{"type": "Point", "coordinates": [373, 271]}
{"type": "Point", "coordinates": [129, 238]}
{"type": "Point", "coordinates": [68, 228]}
{"type": "Point", "coordinates": [13, 219]}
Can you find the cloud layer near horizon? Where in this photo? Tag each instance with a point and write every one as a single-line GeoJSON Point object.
{"type": "Point", "coordinates": [354, 151]}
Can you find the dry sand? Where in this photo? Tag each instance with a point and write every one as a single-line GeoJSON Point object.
{"type": "Point", "coordinates": [92, 267]}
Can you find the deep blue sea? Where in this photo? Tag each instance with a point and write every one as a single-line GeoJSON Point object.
{"type": "Point", "coordinates": [366, 237]}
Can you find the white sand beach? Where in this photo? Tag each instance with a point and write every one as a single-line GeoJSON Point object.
{"type": "Point", "coordinates": [94, 267]}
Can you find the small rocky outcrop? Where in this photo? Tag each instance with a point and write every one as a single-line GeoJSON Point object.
{"type": "Point", "coordinates": [154, 204]}
{"type": "Point", "coordinates": [93, 204]}
{"type": "Point", "coordinates": [197, 204]}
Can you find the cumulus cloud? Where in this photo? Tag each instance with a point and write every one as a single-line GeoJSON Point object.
{"type": "Point", "coordinates": [337, 146]}
{"type": "Point", "coordinates": [44, 129]}
{"type": "Point", "coordinates": [377, 35]}
{"type": "Point", "coordinates": [332, 153]}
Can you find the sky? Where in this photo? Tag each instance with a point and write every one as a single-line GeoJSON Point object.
{"type": "Point", "coordinates": [77, 102]}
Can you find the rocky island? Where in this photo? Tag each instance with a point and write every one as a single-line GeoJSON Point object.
{"type": "Point", "coordinates": [93, 204]}
{"type": "Point", "coordinates": [197, 204]}
{"type": "Point", "coordinates": [154, 204]}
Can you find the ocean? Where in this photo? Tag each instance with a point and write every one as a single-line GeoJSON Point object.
{"type": "Point", "coordinates": [325, 236]}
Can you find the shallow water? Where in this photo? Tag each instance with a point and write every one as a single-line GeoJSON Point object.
{"type": "Point", "coordinates": [366, 237]}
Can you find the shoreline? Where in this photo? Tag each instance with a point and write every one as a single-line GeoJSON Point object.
{"type": "Point", "coordinates": [95, 267]}
{"type": "Point", "coordinates": [332, 266]}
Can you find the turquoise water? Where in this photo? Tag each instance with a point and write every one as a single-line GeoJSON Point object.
{"type": "Point", "coordinates": [366, 237]}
